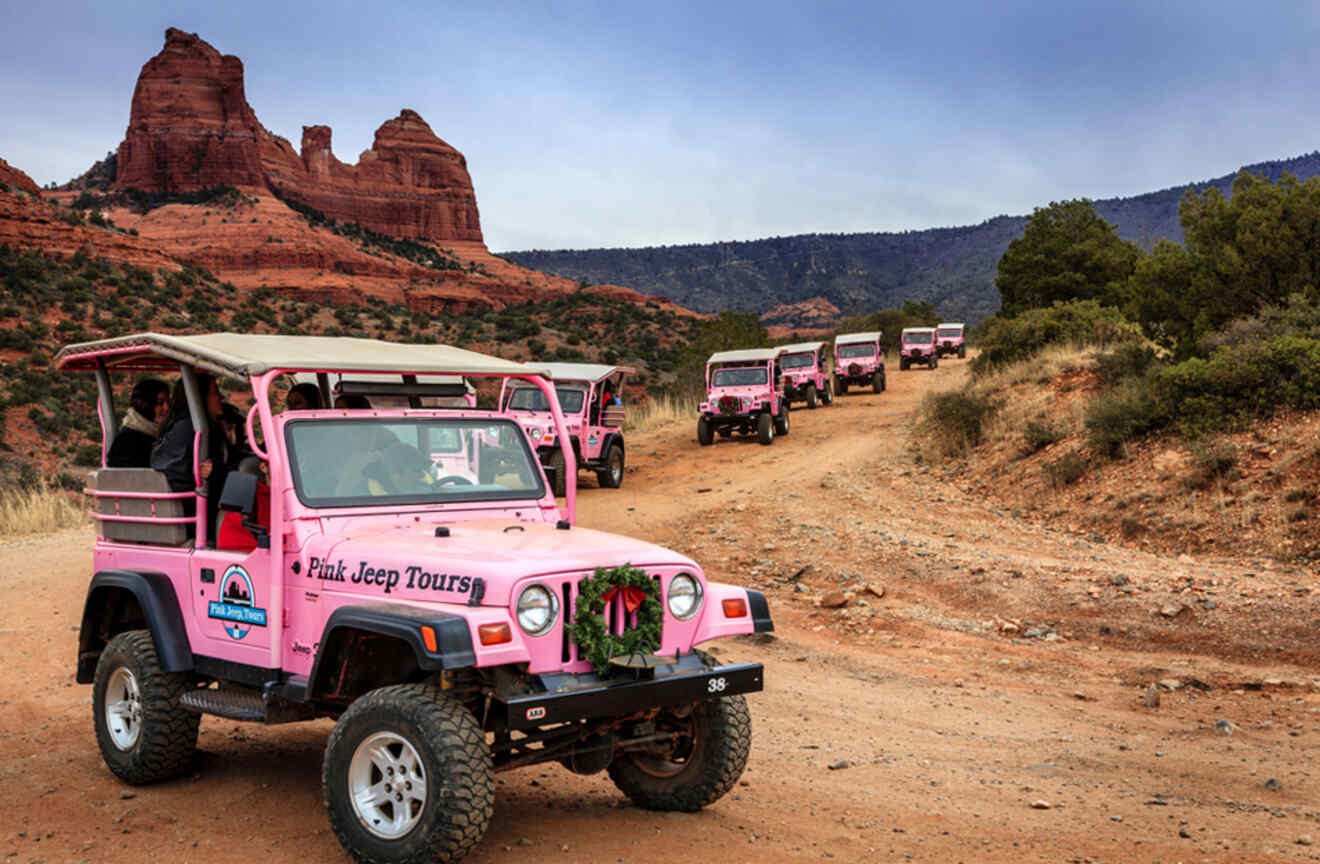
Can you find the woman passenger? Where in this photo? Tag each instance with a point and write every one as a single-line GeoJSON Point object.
{"type": "Point", "coordinates": [173, 456]}
{"type": "Point", "coordinates": [148, 405]}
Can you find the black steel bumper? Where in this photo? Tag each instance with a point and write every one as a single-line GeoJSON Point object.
{"type": "Point", "coordinates": [578, 697]}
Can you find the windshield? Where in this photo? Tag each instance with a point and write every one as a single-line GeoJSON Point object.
{"type": "Point", "coordinates": [918, 338]}
{"type": "Point", "coordinates": [738, 377]}
{"type": "Point", "coordinates": [863, 349]}
{"type": "Point", "coordinates": [948, 334]}
{"type": "Point", "coordinates": [797, 361]}
{"type": "Point", "coordinates": [531, 399]}
{"type": "Point", "coordinates": [381, 461]}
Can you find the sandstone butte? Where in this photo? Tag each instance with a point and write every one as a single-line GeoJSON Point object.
{"type": "Point", "coordinates": [191, 129]}
{"type": "Point", "coordinates": [813, 317]}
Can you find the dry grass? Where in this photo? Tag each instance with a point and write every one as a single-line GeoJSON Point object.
{"type": "Point", "coordinates": [40, 510]}
{"type": "Point", "coordinates": [659, 411]}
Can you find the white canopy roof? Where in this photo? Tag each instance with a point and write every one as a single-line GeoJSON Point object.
{"type": "Point", "coordinates": [582, 371]}
{"type": "Point", "coordinates": [850, 338]}
{"type": "Point", "coordinates": [801, 347]}
{"type": "Point", "coordinates": [239, 355]}
{"type": "Point", "coordinates": [944, 324]}
{"type": "Point", "coordinates": [918, 329]}
{"type": "Point", "coordinates": [746, 355]}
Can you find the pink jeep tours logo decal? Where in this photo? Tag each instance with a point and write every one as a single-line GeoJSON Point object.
{"type": "Point", "coordinates": [235, 605]}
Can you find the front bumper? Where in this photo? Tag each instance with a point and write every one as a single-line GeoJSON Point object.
{"type": "Point", "coordinates": [569, 698]}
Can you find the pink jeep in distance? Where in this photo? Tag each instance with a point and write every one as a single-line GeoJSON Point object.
{"type": "Point", "coordinates": [428, 614]}
{"type": "Point", "coordinates": [591, 397]}
{"type": "Point", "coordinates": [917, 345]}
{"type": "Point", "coordinates": [806, 374]}
{"type": "Point", "coordinates": [859, 358]}
{"type": "Point", "coordinates": [744, 394]}
{"type": "Point", "coordinates": [949, 339]}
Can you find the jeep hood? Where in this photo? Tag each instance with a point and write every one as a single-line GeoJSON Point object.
{"type": "Point", "coordinates": [408, 562]}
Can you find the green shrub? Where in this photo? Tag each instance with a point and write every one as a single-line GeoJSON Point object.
{"type": "Point", "coordinates": [88, 455]}
{"type": "Point", "coordinates": [1065, 470]}
{"type": "Point", "coordinates": [1211, 460]}
{"type": "Point", "coordinates": [1079, 322]}
{"type": "Point", "coordinates": [955, 420]}
{"type": "Point", "coordinates": [1129, 360]}
{"type": "Point", "coordinates": [1120, 414]}
{"type": "Point", "coordinates": [1039, 434]}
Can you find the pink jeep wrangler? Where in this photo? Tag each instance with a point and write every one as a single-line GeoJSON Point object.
{"type": "Point", "coordinates": [806, 374]}
{"type": "Point", "coordinates": [917, 345]}
{"type": "Point", "coordinates": [859, 358]}
{"type": "Point", "coordinates": [409, 574]}
{"type": "Point", "coordinates": [744, 393]}
{"type": "Point", "coordinates": [949, 339]}
{"type": "Point", "coordinates": [591, 397]}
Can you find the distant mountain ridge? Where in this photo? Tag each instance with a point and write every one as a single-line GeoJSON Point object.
{"type": "Point", "coordinates": [954, 268]}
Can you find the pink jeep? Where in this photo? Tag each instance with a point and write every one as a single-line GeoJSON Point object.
{"type": "Point", "coordinates": [949, 339]}
{"type": "Point", "coordinates": [591, 397]}
{"type": "Point", "coordinates": [806, 374]}
{"type": "Point", "coordinates": [859, 358]}
{"type": "Point", "coordinates": [448, 614]}
{"type": "Point", "coordinates": [743, 393]}
{"type": "Point", "coordinates": [917, 345]}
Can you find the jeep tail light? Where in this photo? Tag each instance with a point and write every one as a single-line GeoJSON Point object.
{"type": "Point", "coordinates": [735, 608]}
{"type": "Point", "coordinates": [428, 637]}
{"type": "Point", "coordinates": [494, 634]}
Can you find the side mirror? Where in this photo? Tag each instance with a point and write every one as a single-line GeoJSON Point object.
{"type": "Point", "coordinates": [240, 494]}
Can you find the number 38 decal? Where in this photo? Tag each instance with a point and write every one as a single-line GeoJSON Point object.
{"type": "Point", "coordinates": [716, 685]}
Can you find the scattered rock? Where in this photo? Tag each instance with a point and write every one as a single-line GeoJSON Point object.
{"type": "Point", "coordinates": [127, 793]}
{"type": "Point", "coordinates": [840, 765]}
{"type": "Point", "coordinates": [1170, 684]}
{"type": "Point", "coordinates": [834, 600]}
{"type": "Point", "coordinates": [1186, 559]}
{"type": "Point", "coordinates": [1304, 840]}
{"type": "Point", "coordinates": [1184, 833]}
{"type": "Point", "coordinates": [1152, 697]}
{"type": "Point", "coordinates": [801, 589]}
{"type": "Point", "coordinates": [1119, 579]}
{"type": "Point", "coordinates": [1273, 785]}
{"type": "Point", "coordinates": [875, 590]}
{"type": "Point", "coordinates": [1225, 726]}
{"type": "Point", "coordinates": [1172, 610]}
{"type": "Point", "coordinates": [1040, 804]}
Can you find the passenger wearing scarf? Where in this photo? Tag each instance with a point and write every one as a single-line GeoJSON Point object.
{"type": "Point", "coordinates": [150, 401]}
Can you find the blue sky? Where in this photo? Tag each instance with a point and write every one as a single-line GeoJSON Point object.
{"type": "Point", "coordinates": [634, 124]}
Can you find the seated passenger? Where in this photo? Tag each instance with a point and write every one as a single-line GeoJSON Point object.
{"type": "Point", "coordinates": [149, 403]}
{"type": "Point", "coordinates": [352, 402]}
{"type": "Point", "coordinates": [303, 397]}
{"type": "Point", "coordinates": [401, 470]}
{"type": "Point", "coordinates": [173, 456]}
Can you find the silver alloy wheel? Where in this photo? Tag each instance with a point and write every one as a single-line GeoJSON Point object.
{"type": "Point", "coordinates": [123, 708]}
{"type": "Point", "coordinates": [387, 785]}
{"type": "Point", "coordinates": [616, 467]}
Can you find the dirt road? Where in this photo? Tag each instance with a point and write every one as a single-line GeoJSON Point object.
{"type": "Point", "coordinates": [1005, 667]}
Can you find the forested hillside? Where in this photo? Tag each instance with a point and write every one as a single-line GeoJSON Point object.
{"type": "Point", "coordinates": [954, 268]}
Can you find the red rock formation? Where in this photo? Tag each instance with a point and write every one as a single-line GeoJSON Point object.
{"type": "Point", "coordinates": [27, 221]}
{"type": "Point", "coordinates": [816, 313]}
{"type": "Point", "coordinates": [15, 179]}
{"type": "Point", "coordinates": [190, 126]}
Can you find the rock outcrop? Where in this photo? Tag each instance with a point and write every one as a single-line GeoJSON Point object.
{"type": "Point", "coordinates": [817, 313]}
{"type": "Point", "coordinates": [191, 128]}
{"type": "Point", "coordinates": [16, 179]}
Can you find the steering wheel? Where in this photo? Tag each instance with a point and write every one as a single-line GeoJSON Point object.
{"type": "Point", "coordinates": [453, 480]}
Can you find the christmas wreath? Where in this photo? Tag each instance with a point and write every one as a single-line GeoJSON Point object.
{"type": "Point", "coordinates": [588, 628]}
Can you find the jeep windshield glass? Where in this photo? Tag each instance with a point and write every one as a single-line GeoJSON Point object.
{"type": "Point", "coordinates": [531, 399]}
{"type": "Point", "coordinates": [948, 334]}
{"type": "Point", "coordinates": [863, 350]}
{"type": "Point", "coordinates": [918, 338]}
{"type": "Point", "coordinates": [738, 377]}
{"type": "Point", "coordinates": [381, 461]}
{"type": "Point", "coordinates": [796, 361]}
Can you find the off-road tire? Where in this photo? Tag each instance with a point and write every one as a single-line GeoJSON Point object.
{"type": "Point", "coordinates": [934, 362]}
{"type": "Point", "coordinates": [827, 397]}
{"type": "Point", "coordinates": [877, 381]}
{"type": "Point", "coordinates": [765, 428]}
{"type": "Point", "coordinates": [903, 365]}
{"type": "Point", "coordinates": [781, 422]}
{"type": "Point", "coordinates": [812, 399]}
{"type": "Point", "coordinates": [166, 739]}
{"type": "Point", "coordinates": [962, 352]}
{"type": "Point", "coordinates": [841, 387]}
{"type": "Point", "coordinates": [558, 476]}
{"type": "Point", "coordinates": [704, 436]}
{"type": "Point", "coordinates": [460, 794]}
{"type": "Point", "coordinates": [611, 476]}
{"type": "Point", "coordinates": [724, 729]}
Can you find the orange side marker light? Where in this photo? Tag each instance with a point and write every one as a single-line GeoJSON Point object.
{"type": "Point", "coordinates": [494, 634]}
{"type": "Point", "coordinates": [735, 608]}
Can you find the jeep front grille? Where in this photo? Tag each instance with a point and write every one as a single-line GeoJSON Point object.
{"type": "Point", "coordinates": [617, 620]}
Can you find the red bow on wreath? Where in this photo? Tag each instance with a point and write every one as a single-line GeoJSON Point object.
{"type": "Point", "coordinates": [632, 597]}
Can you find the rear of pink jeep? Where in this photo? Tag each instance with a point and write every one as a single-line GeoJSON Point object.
{"type": "Point", "coordinates": [409, 573]}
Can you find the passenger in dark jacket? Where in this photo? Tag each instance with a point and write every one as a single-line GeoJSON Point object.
{"type": "Point", "coordinates": [149, 403]}
{"type": "Point", "coordinates": [173, 456]}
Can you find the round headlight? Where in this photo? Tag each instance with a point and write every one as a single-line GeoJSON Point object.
{"type": "Point", "coordinates": [684, 597]}
{"type": "Point", "coordinates": [537, 609]}
{"type": "Point", "coordinates": [535, 433]}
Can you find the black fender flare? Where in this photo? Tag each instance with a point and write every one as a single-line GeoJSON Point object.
{"type": "Point", "coordinates": [610, 439]}
{"type": "Point", "coordinates": [404, 623]}
{"type": "Point", "coordinates": [159, 604]}
{"type": "Point", "coordinates": [761, 621]}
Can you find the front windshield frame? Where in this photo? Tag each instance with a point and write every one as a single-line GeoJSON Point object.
{"type": "Point", "coordinates": [924, 337]}
{"type": "Point", "coordinates": [797, 361]}
{"type": "Point", "coordinates": [560, 391]}
{"type": "Point", "coordinates": [854, 350]}
{"type": "Point", "coordinates": [717, 373]}
{"type": "Point", "coordinates": [949, 333]}
{"type": "Point", "coordinates": [509, 431]}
